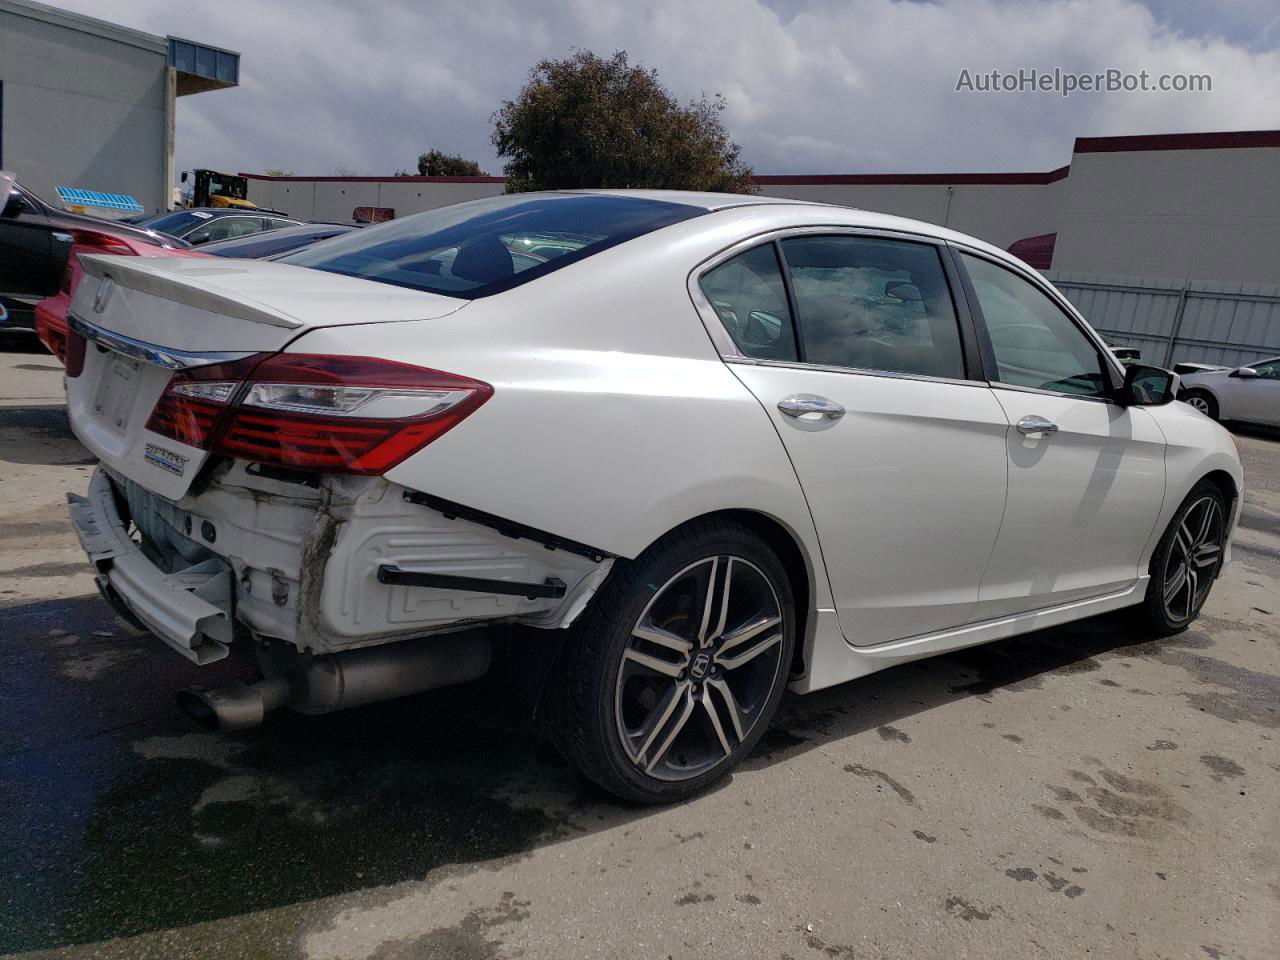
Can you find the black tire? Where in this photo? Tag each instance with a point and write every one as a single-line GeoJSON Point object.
{"type": "Point", "coordinates": [600, 688]}
{"type": "Point", "coordinates": [1183, 541]}
{"type": "Point", "coordinates": [1203, 401]}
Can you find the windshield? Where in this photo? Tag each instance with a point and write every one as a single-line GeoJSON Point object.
{"type": "Point", "coordinates": [478, 248]}
{"type": "Point", "coordinates": [174, 223]}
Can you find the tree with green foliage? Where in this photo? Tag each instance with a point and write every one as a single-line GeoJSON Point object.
{"type": "Point", "coordinates": [437, 163]}
{"type": "Point", "coordinates": [587, 121]}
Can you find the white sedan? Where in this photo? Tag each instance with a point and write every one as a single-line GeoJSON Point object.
{"type": "Point", "coordinates": [668, 453]}
{"type": "Point", "coordinates": [1250, 393]}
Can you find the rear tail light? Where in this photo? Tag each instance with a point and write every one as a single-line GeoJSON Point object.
{"type": "Point", "coordinates": [75, 354]}
{"type": "Point", "coordinates": [313, 412]}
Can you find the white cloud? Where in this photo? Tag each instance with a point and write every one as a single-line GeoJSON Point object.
{"type": "Point", "coordinates": [854, 86]}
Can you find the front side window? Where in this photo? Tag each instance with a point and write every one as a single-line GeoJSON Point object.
{"type": "Point", "coordinates": [1270, 370]}
{"type": "Point", "coordinates": [874, 304]}
{"type": "Point", "coordinates": [750, 298]}
{"type": "Point", "coordinates": [485, 246]}
{"type": "Point", "coordinates": [1036, 344]}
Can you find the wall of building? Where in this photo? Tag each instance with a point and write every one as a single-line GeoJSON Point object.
{"type": "Point", "coordinates": [1180, 206]}
{"type": "Point", "coordinates": [81, 109]}
{"type": "Point", "coordinates": [997, 209]}
{"type": "Point", "coordinates": [1203, 214]}
{"type": "Point", "coordinates": [335, 198]}
{"type": "Point", "coordinates": [997, 212]}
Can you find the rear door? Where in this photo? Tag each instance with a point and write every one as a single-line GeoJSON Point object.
{"type": "Point", "coordinates": [1086, 475]}
{"type": "Point", "coordinates": [858, 357]}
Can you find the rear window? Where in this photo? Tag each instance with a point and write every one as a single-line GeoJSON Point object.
{"type": "Point", "coordinates": [482, 247]}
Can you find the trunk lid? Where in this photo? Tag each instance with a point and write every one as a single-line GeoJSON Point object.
{"type": "Point", "coordinates": [147, 316]}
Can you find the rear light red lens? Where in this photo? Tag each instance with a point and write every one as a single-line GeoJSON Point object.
{"type": "Point", "coordinates": [75, 354]}
{"type": "Point", "coordinates": [314, 412]}
{"type": "Point", "coordinates": [95, 241]}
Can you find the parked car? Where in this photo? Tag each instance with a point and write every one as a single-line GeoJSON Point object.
{"type": "Point", "coordinates": [1127, 355]}
{"type": "Point", "coordinates": [1183, 367]}
{"type": "Point", "coordinates": [51, 312]}
{"type": "Point", "coordinates": [200, 225]}
{"type": "Point", "coordinates": [35, 238]}
{"type": "Point", "coordinates": [277, 242]}
{"type": "Point", "coordinates": [726, 445]}
{"type": "Point", "coordinates": [1250, 393]}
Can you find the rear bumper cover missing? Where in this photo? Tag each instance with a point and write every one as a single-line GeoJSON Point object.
{"type": "Point", "coordinates": [191, 609]}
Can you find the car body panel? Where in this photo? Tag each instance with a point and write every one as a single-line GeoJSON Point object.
{"type": "Point", "coordinates": [1092, 490]}
{"type": "Point", "coordinates": [902, 560]}
{"type": "Point", "coordinates": [615, 419]}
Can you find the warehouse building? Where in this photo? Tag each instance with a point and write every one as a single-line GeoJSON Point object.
{"type": "Point", "coordinates": [1169, 243]}
{"type": "Point", "coordinates": [90, 105]}
{"type": "Point", "coordinates": [1204, 206]}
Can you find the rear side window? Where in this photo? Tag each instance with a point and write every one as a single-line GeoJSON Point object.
{"type": "Point", "coordinates": [874, 304]}
{"type": "Point", "coordinates": [750, 298]}
{"type": "Point", "coordinates": [479, 248]}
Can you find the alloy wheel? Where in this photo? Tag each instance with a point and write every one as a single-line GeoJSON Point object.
{"type": "Point", "coordinates": [1193, 558]}
{"type": "Point", "coordinates": [699, 667]}
{"type": "Point", "coordinates": [1199, 403]}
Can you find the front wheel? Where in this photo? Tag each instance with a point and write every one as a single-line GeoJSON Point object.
{"type": "Point", "coordinates": [1203, 401]}
{"type": "Point", "coordinates": [1187, 560]}
{"type": "Point", "coordinates": [674, 672]}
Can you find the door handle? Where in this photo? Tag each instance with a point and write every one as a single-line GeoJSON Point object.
{"type": "Point", "coordinates": [810, 406]}
{"type": "Point", "coordinates": [1036, 424]}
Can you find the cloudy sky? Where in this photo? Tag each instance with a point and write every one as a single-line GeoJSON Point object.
{"type": "Point", "coordinates": [813, 86]}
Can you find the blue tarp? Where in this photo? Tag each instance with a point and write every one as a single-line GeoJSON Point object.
{"type": "Point", "coordinates": [76, 196]}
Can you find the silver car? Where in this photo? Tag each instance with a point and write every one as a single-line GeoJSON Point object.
{"type": "Point", "coordinates": [1250, 393]}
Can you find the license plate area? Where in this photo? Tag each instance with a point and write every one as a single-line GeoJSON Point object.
{"type": "Point", "coordinates": [117, 391]}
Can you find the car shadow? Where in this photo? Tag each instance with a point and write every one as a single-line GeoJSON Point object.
{"type": "Point", "coordinates": [40, 435]}
{"type": "Point", "coordinates": [130, 820]}
{"type": "Point", "coordinates": [22, 341]}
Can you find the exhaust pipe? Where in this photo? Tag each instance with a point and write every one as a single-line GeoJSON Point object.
{"type": "Point", "coordinates": [314, 685]}
{"type": "Point", "coordinates": [236, 705]}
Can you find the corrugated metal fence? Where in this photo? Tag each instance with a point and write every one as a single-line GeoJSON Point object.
{"type": "Point", "coordinates": [1171, 321]}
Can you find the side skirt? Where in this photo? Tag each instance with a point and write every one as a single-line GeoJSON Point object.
{"type": "Point", "coordinates": [835, 660]}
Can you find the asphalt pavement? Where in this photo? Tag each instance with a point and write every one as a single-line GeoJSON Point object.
{"type": "Point", "coordinates": [1081, 792]}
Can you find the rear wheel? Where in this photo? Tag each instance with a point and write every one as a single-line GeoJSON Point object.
{"type": "Point", "coordinates": [673, 674]}
{"type": "Point", "coordinates": [1203, 401]}
{"type": "Point", "coordinates": [1187, 560]}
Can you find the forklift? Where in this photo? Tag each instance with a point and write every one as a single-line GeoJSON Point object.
{"type": "Point", "coordinates": [213, 189]}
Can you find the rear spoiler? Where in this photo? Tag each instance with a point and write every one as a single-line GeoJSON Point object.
{"type": "Point", "coordinates": [143, 274]}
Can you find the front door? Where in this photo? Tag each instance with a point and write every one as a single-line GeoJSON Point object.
{"type": "Point", "coordinates": [1255, 398]}
{"type": "Point", "coordinates": [857, 359]}
{"type": "Point", "coordinates": [1086, 475]}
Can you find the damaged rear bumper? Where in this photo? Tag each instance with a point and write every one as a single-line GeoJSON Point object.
{"type": "Point", "coordinates": [324, 565]}
{"type": "Point", "coordinates": [191, 609]}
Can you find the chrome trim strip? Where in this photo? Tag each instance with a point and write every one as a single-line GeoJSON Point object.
{"type": "Point", "coordinates": [856, 371]}
{"type": "Point", "coordinates": [724, 343]}
{"type": "Point", "coordinates": [150, 353]}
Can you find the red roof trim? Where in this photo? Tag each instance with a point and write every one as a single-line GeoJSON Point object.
{"type": "Point", "coordinates": [764, 180]}
{"type": "Point", "coordinates": [413, 179]}
{"type": "Point", "coordinates": [889, 179]}
{"type": "Point", "coordinates": [1229, 140]}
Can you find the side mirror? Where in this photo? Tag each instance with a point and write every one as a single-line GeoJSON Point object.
{"type": "Point", "coordinates": [183, 178]}
{"type": "Point", "coordinates": [903, 290]}
{"type": "Point", "coordinates": [1146, 386]}
{"type": "Point", "coordinates": [1244, 373]}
